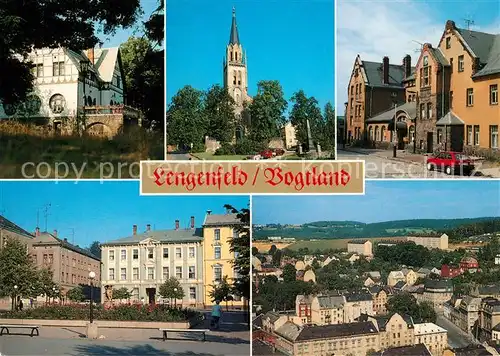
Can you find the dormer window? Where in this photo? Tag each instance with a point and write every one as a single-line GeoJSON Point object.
{"type": "Point", "coordinates": [118, 82]}
{"type": "Point", "coordinates": [57, 69]}
{"type": "Point", "coordinates": [448, 42]}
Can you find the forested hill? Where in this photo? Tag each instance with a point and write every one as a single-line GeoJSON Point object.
{"type": "Point", "coordinates": [351, 229]}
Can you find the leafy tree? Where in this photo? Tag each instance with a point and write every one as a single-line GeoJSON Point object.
{"type": "Point", "coordinates": [329, 132]}
{"type": "Point", "coordinates": [272, 250]}
{"type": "Point", "coordinates": [171, 289]}
{"type": "Point", "coordinates": [221, 292]}
{"type": "Point", "coordinates": [185, 120]}
{"type": "Point", "coordinates": [95, 249]}
{"type": "Point", "coordinates": [144, 73]}
{"type": "Point", "coordinates": [488, 252]}
{"type": "Point", "coordinates": [267, 111]}
{"type": "Point", "coordinates": [240, 245]}
{"type": "Point", "coordinates": [17, 270]}
{"type": "Point", "coordinates": [306, 108]}
{"type": "Point", "coordinates": [255, 251]}
{"type": "Point", "coordinates": [405, 303]}
{"type": "Point", "coordinates": [52, 23]}
{"type": "Point", "coordinates": [289, 273]}
{"type": "Point", "coordinates": [123, 293]}
{"type": "Point", "coordinates": [276, 261]}
{"type": "Point", "coordinates": [219, 114]}
{"type": "Point", "coordinates": [76, 294]}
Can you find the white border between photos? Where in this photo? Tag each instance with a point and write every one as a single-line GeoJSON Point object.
{"type": "Point", "coordinates": [236, 161]}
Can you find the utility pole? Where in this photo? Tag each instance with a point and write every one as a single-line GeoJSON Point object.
{"type": "Point", "coordinates": [469, 22]}
{"type": "Point", "coordinates": [46, 213]}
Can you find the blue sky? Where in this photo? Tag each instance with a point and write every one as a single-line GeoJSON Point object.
{"type": "Point", "coordinates": [289, 41]}
{"type": "Point", "coordinates": [103, 212]}
{"type": "Point", "coordinates": [374, 29]}
{"type": "Point", "coordinates": [384, 201]}
{"type": "Point", "coordinates": [122, 35]}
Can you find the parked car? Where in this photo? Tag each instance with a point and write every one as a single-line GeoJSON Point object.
{"type": "Point", "coordinates": [279, 151]}
{"type": "Point", "coordinates": [451, 163]}
{"type": "Point", "coordinates": [266, 154]}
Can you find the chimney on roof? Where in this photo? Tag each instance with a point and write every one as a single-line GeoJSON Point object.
{"type": "Point", "coordinates": [134, 230]}
{"type": "Point", "coordinates": [407, 65]}
{"type": "Point", "coordinates": [55, 233]}
{"type": "Point", "coordinates": [209, 212]}
{"type": "Point", "coordinates": [385, 70]}
{"type": "Point", "coordinates": [37, 231]}
{"type": "Point", "coordinates": [177, 224]}
{"type": "Point", "coordinates": [90, 55]}
{"type": "Point", "coordinates": [148, 227]}
{"type": "Point", "coordinates": [192, 222]}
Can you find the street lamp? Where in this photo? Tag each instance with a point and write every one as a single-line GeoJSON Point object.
{"type": "Point", "coordinates": [175, 298]}
{"type": "Point", "coordinates": [84, 67]}
{"type": "Point", "coordinates": [91, 278]}
{"type": "Point", "coordinates": [15, 297]}
{"type": "Point", "coordinates": [395, 133]}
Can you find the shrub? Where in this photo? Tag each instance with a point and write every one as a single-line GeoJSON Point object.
{"type": "Point", "coordinates": [124, 312]}
{"type": "Point", "coordinates": [247, 147]}
{"type": "Point", "coordinates": [225, 150]}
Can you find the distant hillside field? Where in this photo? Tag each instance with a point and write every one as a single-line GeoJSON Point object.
{"type": "Point", "coordinates": [336, 244]}
{"type": "Point", "coordinates": [355, 229]}
{"type": "Point", "coordinates": [265, 246]}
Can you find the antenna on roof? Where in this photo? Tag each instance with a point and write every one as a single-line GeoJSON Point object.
{"type": "Point", "coordinates": [469, 22]}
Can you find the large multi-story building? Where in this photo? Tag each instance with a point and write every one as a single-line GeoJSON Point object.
{"type": "Point", "coordinates": [356, 338]}
{"type": "Point", "coordinates": [69, 264]}
{"type": "Point", "coordinates": [449, 101]}
{"type": "Point", "coordinates": [9, 230]}
{"type": "Point", "coordinates": [459, 81]}
{"type": "Point", "coordinates": [440, 242]}
{"type": "Point", "coordinates": [218, 230]}
{"type": "Point", "coordinates": [360, 247]}
{"type": "Point", "coordinates": [143, 261]}
{"type": "Point", "coordinates": [433, 336]}
{"type": "Point", "coordinates": [76, 88]}
{"type": "Point", "coordinates": [394, 330]}
{"type": "Point", "coordinates": [374, 88]}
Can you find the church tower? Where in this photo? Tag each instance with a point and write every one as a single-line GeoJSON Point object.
{"type": "Point", "coordinates": [235, 69]}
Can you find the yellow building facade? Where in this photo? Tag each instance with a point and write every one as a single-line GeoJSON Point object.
{"type": "Point", "coordinates": [218, 230]}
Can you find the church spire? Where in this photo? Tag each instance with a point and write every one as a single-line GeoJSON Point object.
{"type": "Point", "coordinates": [233, 37]}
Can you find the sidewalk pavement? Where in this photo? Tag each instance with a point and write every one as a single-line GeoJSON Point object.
{"type": "Point", "coordinates": [487, 169]}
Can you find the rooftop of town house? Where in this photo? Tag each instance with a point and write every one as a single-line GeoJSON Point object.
{"type": "Point", "coordinates": [428, 328]}
{"type": "Point", "coordinates": [358, 241]}
{"type": "Point", "coordinates": [46, 238]}
{"type": "Point", "coordinates": [382, 320]}
{"type": "Point", "coordinates": [296, 333]}
{"type": "Point", "coordinates": [410, 108]}
{"type": "Point", "coordinates": [438, 285]}
{"type": "Point", "coordinates": [375, 74]}
{"type": "Point", "coordinates": [162, 236]}
{"type": "Point", "coordinates": [330, 301]}
{"type": "Point", "coordinates": [221, 220]}
{"type": "Point", "coordinates": [471, 350]}
{"type": "Point", "coordinates": [10, 226]}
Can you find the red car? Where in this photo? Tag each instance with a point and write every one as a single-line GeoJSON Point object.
{"type": "Point", "coordinates": [451, 163]}
{"type": "Point", "coordinates": [266, 154]}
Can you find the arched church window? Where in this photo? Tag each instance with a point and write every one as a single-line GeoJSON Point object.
{"type": "Point", "coordinates": [231, 55]}
{"type": "Point", "coordinates": [239, 77]}
{"type": "Point", "coordinates": [237, 98]}
{"type": "Point", "coordinates": [234, 77]}
{"type": "Point", "coordinates": [236, 55]}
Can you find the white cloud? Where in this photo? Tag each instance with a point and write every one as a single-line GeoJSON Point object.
{"type": "Point", "coordinates": [374, 29]}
